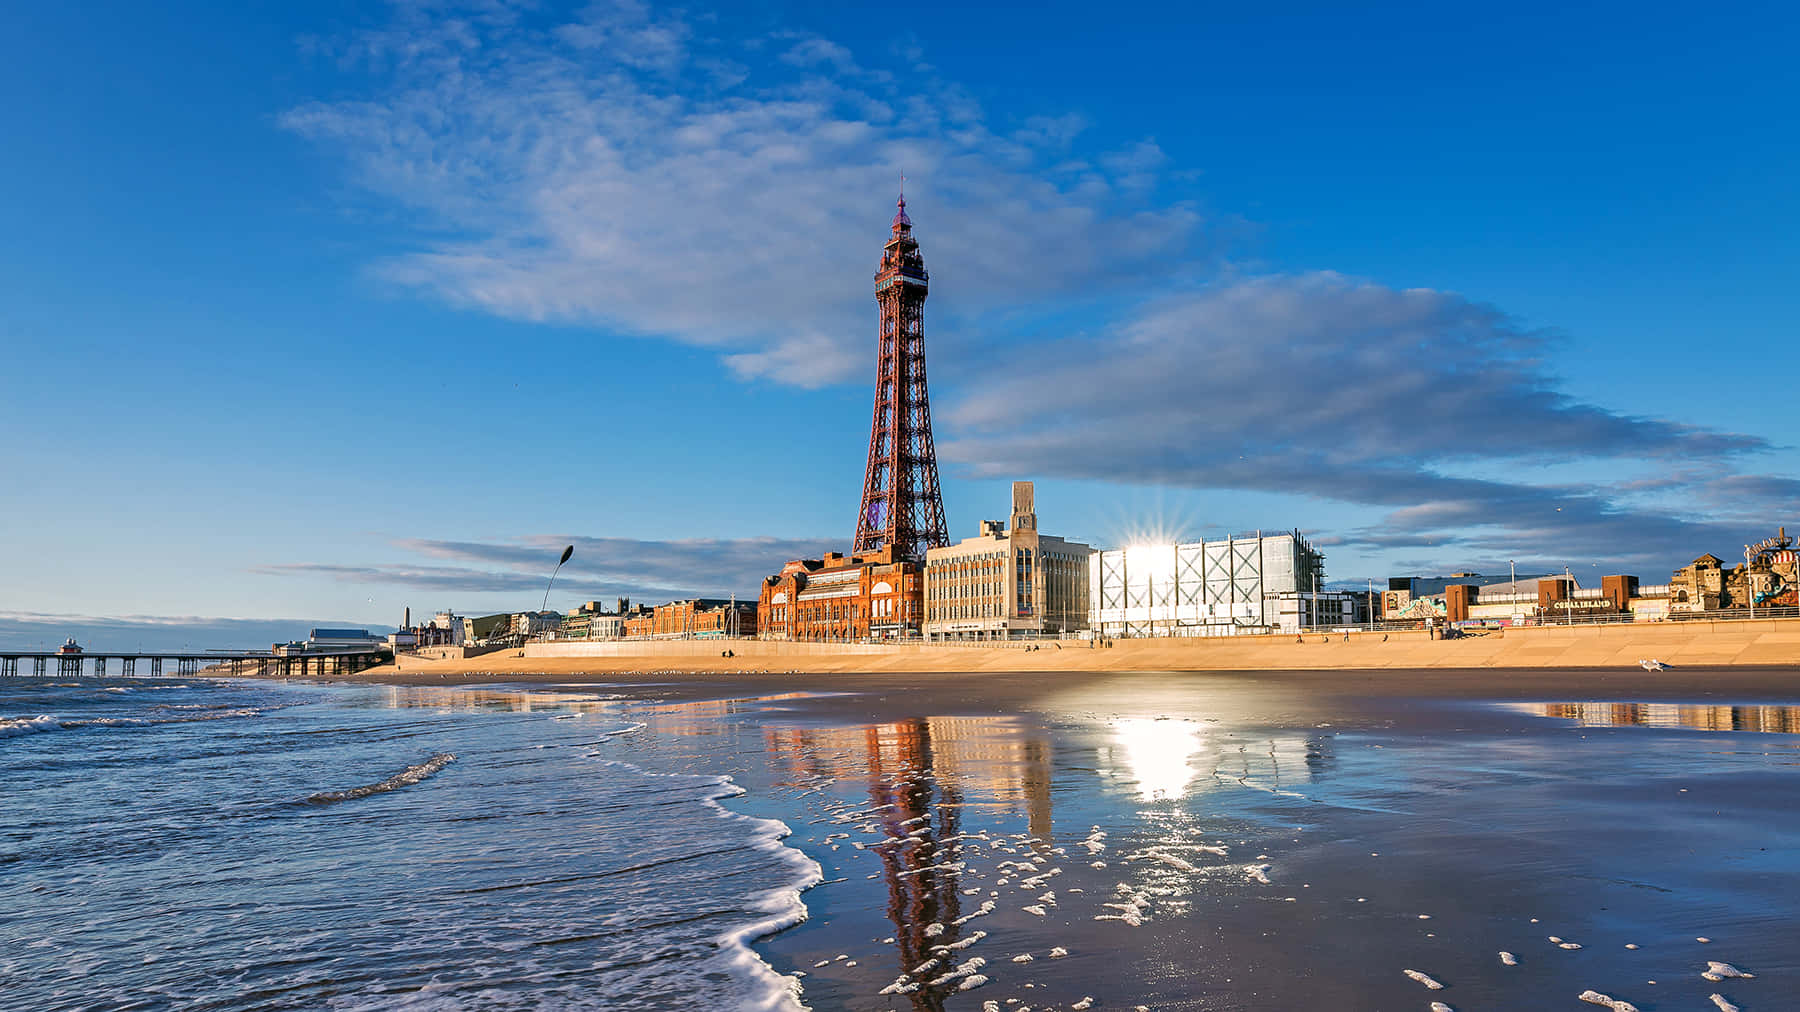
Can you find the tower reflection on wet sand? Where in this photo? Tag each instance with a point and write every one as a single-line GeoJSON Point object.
{"type": "Point", "coordinates": [923, 776]}
{"type": "Point", "coordinates": [921, 840]}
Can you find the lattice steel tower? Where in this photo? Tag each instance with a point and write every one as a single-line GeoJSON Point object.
{"type": "Point", "coordinates": [902, 505]}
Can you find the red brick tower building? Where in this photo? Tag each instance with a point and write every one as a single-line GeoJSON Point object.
{"type": "Point", "coordinates": [902, 506]}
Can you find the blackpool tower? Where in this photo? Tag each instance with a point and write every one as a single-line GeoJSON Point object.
{"type": "Point", "coordinates": [902, 506]}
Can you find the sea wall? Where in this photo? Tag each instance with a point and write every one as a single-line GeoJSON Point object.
{"type": "Point", "coordinates": [1758, 642]}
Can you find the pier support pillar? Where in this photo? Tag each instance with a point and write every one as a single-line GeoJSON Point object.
{"type": "Point", "coordinates": [9, 667]}
{"type": "Point", "coordinates": [128, 667]}
{"type": "Point", "coordinates": [156, 667]}
{"type": "Point", "coordinates": [38, 664]}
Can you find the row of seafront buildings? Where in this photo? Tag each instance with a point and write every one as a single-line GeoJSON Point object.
{"type": "Point", "coordinates": [1768, 580]}
{"type": "Point", "coordinates": [1008, 582]}
{"type": "Point", "coordinates": [692, 618]}
{"type": "Point", "coordinates": [1013, 582]}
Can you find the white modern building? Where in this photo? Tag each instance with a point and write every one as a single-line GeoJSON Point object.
{"type": "Point", "coordinates": [1250, 583]}
{"type": "Point", "coordinates": [1008, 582]}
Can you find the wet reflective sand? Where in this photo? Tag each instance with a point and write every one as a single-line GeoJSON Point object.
{"type": "Point", "coordinates": [1776, 719]}
{"type": "Point", "coordinates": [1238, 844]}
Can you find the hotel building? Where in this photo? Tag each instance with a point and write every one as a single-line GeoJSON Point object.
{"type": "Point", "coordinates": [1007, 582]}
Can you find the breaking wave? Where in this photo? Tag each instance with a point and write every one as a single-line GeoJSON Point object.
{"type": "Point", "coordinates": [229, 713]}
{"type": "Point", "coordinates": [13, 727]}
{"type": "Point", "coordinates": [405, 778]}
{"type": "Point", "coordinates": [773, 910]}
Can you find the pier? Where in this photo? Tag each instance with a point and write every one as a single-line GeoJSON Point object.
{"type": "Point", "coordinates": [126, 664]}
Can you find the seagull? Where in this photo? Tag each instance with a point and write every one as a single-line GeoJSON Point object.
{"type": "Point", "coordinates": [1651, 664]}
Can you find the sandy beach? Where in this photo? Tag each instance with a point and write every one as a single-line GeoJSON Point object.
{"type": "Point", "coordinates": [1737, 662]}
{"type": "Point", "coordinates": [1070, 832]}
{"type": "Point", "coordinates": [1760, 658]}
{"type": "Point", "coordinates": [874, 695]}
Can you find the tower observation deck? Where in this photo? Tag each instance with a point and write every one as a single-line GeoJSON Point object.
{"type": "Point", "coordinates": [902, 505]}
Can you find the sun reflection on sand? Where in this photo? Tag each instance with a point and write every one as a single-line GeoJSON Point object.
{"type": "Point", "coordinates": [1165, 758]}
{"type": "Point", "coordinates": [1159, 755]}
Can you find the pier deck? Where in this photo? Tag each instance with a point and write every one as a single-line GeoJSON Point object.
{"type": "Point", "coordinates": [124, 663]}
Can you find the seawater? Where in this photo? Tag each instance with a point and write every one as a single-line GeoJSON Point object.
{"type": "Point", "coordinates": [212, 845]}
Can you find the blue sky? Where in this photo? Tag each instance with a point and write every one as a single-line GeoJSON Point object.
{"type": "Point", "coordinates": [313, 313]}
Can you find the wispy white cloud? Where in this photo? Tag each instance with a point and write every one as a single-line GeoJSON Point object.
{"type": "Point", "coordinates": [623, 169]}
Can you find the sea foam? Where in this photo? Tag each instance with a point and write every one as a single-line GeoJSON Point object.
{"type": "Point", "coordinates": [1593, 997]}
{"type": "Point", "coordinates": [405, 778]}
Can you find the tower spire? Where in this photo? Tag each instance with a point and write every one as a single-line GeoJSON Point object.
{"type": "Point", "coordinates": [902, 505]}
{"type": "Point", "coordinates": [901, 221]}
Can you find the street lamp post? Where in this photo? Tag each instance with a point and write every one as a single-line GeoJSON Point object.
{"type": "Point", "coordinates": [1512, 584]}
{"type": "Point", "coordinates": [1749, 587]}
{"type": "Point", "coordinates": [1569, 601]}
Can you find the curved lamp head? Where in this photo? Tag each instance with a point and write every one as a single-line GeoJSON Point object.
{"type": "Point", "coordinates": [559, 564]}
